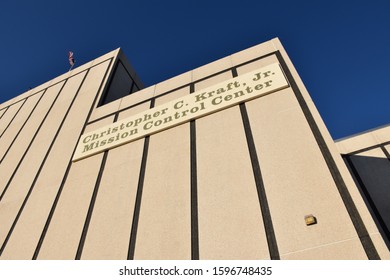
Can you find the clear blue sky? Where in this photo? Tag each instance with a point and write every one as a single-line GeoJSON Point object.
{"type": "Point", "coordinates": [341, 49]}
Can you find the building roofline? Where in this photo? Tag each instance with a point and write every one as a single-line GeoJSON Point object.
{"type": "Point", "coordinates": [362, 133]}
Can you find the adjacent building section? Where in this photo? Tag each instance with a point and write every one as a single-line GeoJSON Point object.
{"type": "Point", "coordinates": [367, 156]}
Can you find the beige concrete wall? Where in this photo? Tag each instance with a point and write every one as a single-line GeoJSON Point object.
{"type": "Point", "coordinates": [63, 236]}
{"type": "Point", "coordinates": [64, 233]}
{"type": "Point", "coordinates": [110, 227]}
{"type": "Point", "coordinates": [293, 165]}
{"type": "Point", "coordinates": [230, 222]}
{"type": "Point", "coordinates": [18, 123]}
{"type": "Point", "coordinates": [2, 111]}
{"type": "Point", "coordinates": [26, 234]}
{"type": "Point", "coordinates": [164, 220]}
{"type": "Point", "coordinates": [28, 199]}
{"type": "Point", "coordinates": [334, 151]}
{"type": "Point", "coordinates": [18, 184]}
{"type": "Point", "coordinates": [9, 115]}
{"type": "Point", "coordinates": [25, 139]}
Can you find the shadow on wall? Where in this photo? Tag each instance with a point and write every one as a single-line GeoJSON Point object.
{"type": "Point", "coordinates": [372, 176]}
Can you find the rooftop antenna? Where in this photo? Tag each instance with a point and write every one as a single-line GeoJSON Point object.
{"type": "Point", "coordinates": [71, 60]}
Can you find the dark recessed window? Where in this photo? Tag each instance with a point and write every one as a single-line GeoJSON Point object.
{"type": "Point", "coordinates": [372, 176]}
{"type": "Point", "coordinates": [121, 84]}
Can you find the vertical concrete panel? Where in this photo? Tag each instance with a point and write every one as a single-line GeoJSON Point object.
{"type": "Point", "coordinates": [9, 115]}
{"type": "Point", "coordinates": [175, 239]}
{"type": "Point", "coordinates": [20, 146]}
{"type": "Point", "coordinates": [109, 230]}
{"type": "Point", "coordinates": [211, 68]}
{"type": "Point", "coordinates": [164, 229]}
{"type": "Point", "coordinates": [27, 232]}
{"type": "Point", "coordinates": [345, 173]}
{"type": "Point", "coordinates": [17, 189]}
{"type": "Point", "coordinates": [253, 52]}
{"type": "Point", "coordinates": [230, 221]}
{"type": "Point", "coordinates": [257, 64]}
{"type": "Point", "coordinates": [172, 96]}
{"type": "Point", "coordinates": [213, 80]}
{"type": "Point", "coordinates": [2, 111]}
{"type": "Point", "coordinates": [296, 178]}
{"type": "Point", "coordinates": [18, 123]}
{"type": "Point", "coordinates": [137, 97]}
{"type": "Point", "coordinates": [63, 235]}
{"type": "Point", "coordinates": [173, 83]}
{"type": "Point", "coordinates": [164, 224]}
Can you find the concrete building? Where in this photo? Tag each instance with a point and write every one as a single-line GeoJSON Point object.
{"type": "Point", "coordinates": [228, 161]}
